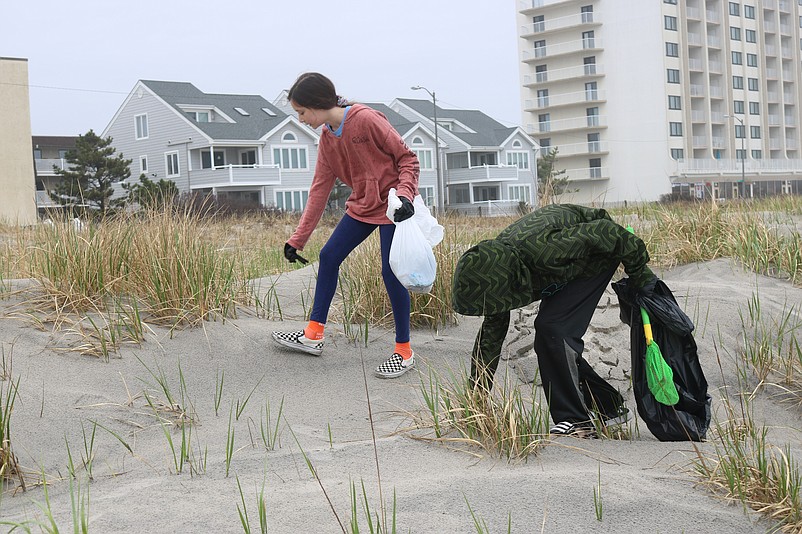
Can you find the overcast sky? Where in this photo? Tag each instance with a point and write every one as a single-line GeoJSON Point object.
{"type": "Point", "coordinates": [84, 56]}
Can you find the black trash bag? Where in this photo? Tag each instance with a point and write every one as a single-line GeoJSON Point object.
{"type": "Point", "coordinates": [689, 419]}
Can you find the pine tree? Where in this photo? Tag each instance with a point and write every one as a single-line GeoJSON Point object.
{"type": "Point", "coordinates": [92, 169]}
{"type": "Point", "coordinates": [551, 183]}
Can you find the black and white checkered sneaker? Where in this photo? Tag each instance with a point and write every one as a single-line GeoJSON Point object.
{"type": "Point", "coordinates": [298, 341]}
{"type": "Point", "coordinates": [395, 366]}
{"type": "Point", "coordinates": [577, 430]}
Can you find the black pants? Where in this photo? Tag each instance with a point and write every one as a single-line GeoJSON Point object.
{"type": "Point", "coordinates": [571, 385]}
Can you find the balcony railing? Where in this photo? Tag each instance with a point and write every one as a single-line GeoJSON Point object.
{"type": "Point", "coordinates": [44, 167]}
{"type": "Point", "coordinates": [590, 173]}
{"type": "Point", "coordinates": [483, 173]}
{"type": "Point", "coordinates": [574, 149]}
{"type": "Point", "coordinates": [577, 97]}
{"type": "Point", "coordinates": [43, 200]}
{"type": "Point", "coordinates": [574, 123]}
{"type": "Point", "coordinates": [708, 166]}
{"type": "Point", "coordinates": [569, 47]}
{"type": "Point", "coordinates": [235, 175]}
{"type": "Point", "coordinates": [564, 74]}
{"type": "Point", "coordinates": [531, 4]}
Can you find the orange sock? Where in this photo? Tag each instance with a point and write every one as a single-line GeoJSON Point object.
{"type": "Point", "coordinates": [404, 350]}
{"type": "Point", "coordinates": [314, 330]}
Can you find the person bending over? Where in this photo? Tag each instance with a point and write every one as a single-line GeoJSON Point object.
{"type": "Point", "coordinates": [563, 256]}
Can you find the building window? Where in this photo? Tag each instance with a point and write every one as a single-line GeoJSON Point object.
{"type": "Point", "coordinates": [519, 193]}
{"type": "Point", "coordinates": [37, 153]}
{"type": "Point", "coordinates": [751, 60]}
{"type": "Point", "coordinates": [289, 137]}
{"type": "Point", "coordinates": [427, 194]}
{"type": "Point", "coordinates": [540, 48]}
{"type": "Point", "coordinates": [735, 33]}
{"type": "Point", "coordinates": [674, 102]}
{"type": "Point", "coordinates": [542, 98]}
{"type": "Point", "coordinates": [587, 14]}
{"type": "Point", "coordinates": [677, 154]}
{"type": "Point", "coordinates": [143, 164]}
{"type": "Point", "coordinates": [518, 159]}
{"type": "Point", "coordinates": [595, 167]}
{"type": "Point", "coordinates": [754, 132]}
{"type": "Point", "coordinates": [737, 58]}
{"type": "Point", "coordinates": [757, 154]}
{"type": "Point", "coordinates": [593, 116]}
{"type": "Point", "coordinates": [538, 24]}
{"type": "Point", "coordinates": [738, 107]}
{"type": "Point", "coordinates": [673, 75]}
{"type": "Point", "coordinates": [675, 129]}
{"type": "Point", "coordinates": [198, 116]}
{"type": "Point", "coordinates": [754, 84]}
{"type": "Point", "coordinates": [674, 2]}
{"type": "Point", "coordinates": [424, 157]}
{"type": "Point", "coordinates": [754, 108]}
{"type": "Point", "coordinates": [594, 143]}
{"type": "Point", "coordinates": [740, 131]}
{"type": "Point", "coordinates": [417, 140]}
{"type": "Point", "coordinates": [751, 36]}
{"type": "Point", "coordinates": [737, 82]}
{"type": "Point", "coordinates": [544, 122]}
{"type": "Point", "coordinates": [292, 200]}
{"type": "Point", "coordinates": [541, 74]}
{"type": "Point", "coordinates": [670, 23]}
{"type": "Point", "coordinates": [672, 50]}
{"type": "Point", "coordinates": [544, 142]}
{"type": "Point", "coordinates": [588, 40]}
{"type": "Point", "coordinates": [206, 159]}
{"type": "Point", "coordinates": [590, 65]}
{"type": "Point", "coordinates": [591, 91]}
{"type": "Point", "coordinates": [749, 12]}
{"type": "Point", "coordinates": [172, 164]}
{"type": "Point", "coordinates": [735, 9]}
{"type": "Point", "coordinates": [290, 158]}
{"type": "Point", "coordinates": [141, 122]}
{"type": "Point", "coordinates": [740, 155]}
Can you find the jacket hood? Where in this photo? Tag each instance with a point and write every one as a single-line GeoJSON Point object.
{"type": "Point", "coordinates": [489, 279]}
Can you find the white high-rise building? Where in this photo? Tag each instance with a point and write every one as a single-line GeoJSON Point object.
{"type": "Point", "coordinates": [647, 98]}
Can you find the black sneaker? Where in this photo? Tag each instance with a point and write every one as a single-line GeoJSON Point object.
{"type": "Point", "coordinates": [617, 419]}
{"type": "Point", "coordinates": [583, 430]}
{"type": "Point", "coordinates": [298, 341]}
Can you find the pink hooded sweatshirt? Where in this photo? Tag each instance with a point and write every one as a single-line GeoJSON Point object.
{"type": "Point", "coordinates": [370, 157]}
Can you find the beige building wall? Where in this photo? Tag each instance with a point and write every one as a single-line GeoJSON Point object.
{"type": "Point", "coordinates": [17, 183]}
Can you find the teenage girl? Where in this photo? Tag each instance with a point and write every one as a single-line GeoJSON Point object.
{"type": "Point", "coordinates": [360, 147]}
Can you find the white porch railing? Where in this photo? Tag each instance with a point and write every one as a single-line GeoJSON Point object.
{"type": "Point", "coordinates": [483, 173]}
{"type": "Point", "coordinates": [44, 167]}
{"type": "Point", "coordinates": [587, 174]}
{"type": "Point", "coordinates": [235, 175]}
{"type": "Point", "coordinates": [711, 166]}
{"type": "Point", "coordinates": [488, 208]}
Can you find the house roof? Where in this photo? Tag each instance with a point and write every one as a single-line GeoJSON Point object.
{"type": "Point", "coordinates": [396, 120]}
{"type": "Point", "coordinates": [246, 127]}
{"type": "Point", "coordinates": [489, 132]}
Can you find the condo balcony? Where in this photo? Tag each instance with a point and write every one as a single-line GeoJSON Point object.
{"type": "Point", "coordinates": [559, 23]}
{"type": "Point", "coordinates": [571, 47]}
{"type": "Point", "coordinates": [587, 174]}
{"type": "Point", "coordinates": [579, 71]}
{"type": "Point", "coordinates": [44, 167]}
{"type": "Point", "coordinates": [235, 175]}
{"type": "Point", "coordinates": [574, 123]}
{"type": "Point", "coordinates": [565, 99]}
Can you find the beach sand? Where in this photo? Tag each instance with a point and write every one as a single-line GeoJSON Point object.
{"type": "Point", "coordinates": [646, 485]}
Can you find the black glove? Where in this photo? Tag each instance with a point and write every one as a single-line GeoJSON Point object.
{"type": "Point", "coordinates": [291, 253]}
{"type": "Point", "coordinates": [405, 211]}
{"type": "Point", "coordinates": [648, 288]}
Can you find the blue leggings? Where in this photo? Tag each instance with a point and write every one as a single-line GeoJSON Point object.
{"type": "Point", "coordinates": [346, 236]}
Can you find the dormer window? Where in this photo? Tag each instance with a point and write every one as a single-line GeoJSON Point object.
{"type": "Point", "coordinates": [417, 140]}
{"type": "Point", "coordinates": [516, 144]}
{"type": "Point", "coordinates": [289, 137]}
{"type": "Point", "coordinates": [199, 116]}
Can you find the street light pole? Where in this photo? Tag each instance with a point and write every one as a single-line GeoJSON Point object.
{"type": "Point", "coordinates": [742, 188]}
{"type": "Point", "coordinates": [440, 192]}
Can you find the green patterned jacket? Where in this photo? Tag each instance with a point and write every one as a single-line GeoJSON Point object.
{"type": "Point", "coordinates": [535, 257]}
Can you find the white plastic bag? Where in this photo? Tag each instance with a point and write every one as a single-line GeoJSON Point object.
{"type": "Point", "coordinates": [411, 256]}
